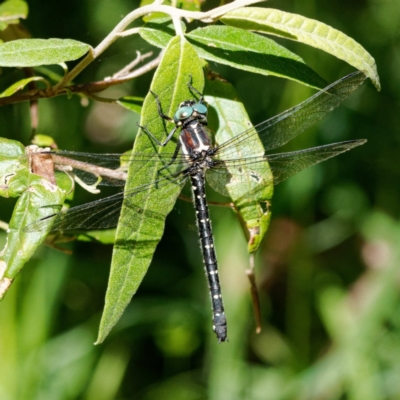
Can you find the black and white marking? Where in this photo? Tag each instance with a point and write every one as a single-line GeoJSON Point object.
{"type": "Point", "coordinates": [195, 144]}
{"type": "Point", "coordinates": [222, 163]}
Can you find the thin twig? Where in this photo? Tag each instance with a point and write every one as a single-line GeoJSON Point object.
{"type": "Point", "coordinates": [87, 89]}
{"type": "Point", "coordinates": [4, 226]}
{"type": "Point", "coordinates": [128, 32]}
{"type": "Point", "coordinates": [140, 71]}
{"type": "Point", "coordinates": [119, 31]}
{"type": "Point", "coordinates": [254, 292]}
{"type": "Point", "coordinates": [93, 169]}
{"type": "Point", "coordinates": [128, 68]}
{"type": "Point", "coordinates": [175, 13]}
{"type": "Point", "coordinates": [101, 99]}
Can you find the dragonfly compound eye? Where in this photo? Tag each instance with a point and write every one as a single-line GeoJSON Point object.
{"type": "Point", "coordinates": [183, 113]}
{"type": "Point", "coordinates": [200, 108]}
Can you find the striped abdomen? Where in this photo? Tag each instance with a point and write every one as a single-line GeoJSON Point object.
{"type": "Point", "coordinates": [210, 259]}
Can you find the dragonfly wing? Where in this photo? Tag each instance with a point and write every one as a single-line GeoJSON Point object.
{"type": "Point", "coordinates": [252, 175]}
{"type": "Point", "coordinates": [278, 130]}
{"type": "Point", "coordinates": [99, 214]}
{"type": "Point", "coordinates": [109, 169]}
{"type": "Point", "coordinates": [249, 183]}
{"type": "Point", "coordinates": [285, 165]}
{"type": "Point", "coordinates": [244, 175]}
{"type": "Point", "coordinates": [104, 213]}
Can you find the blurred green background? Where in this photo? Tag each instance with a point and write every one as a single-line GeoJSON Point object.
{"type": "Point", "coordinates": [327, 270]}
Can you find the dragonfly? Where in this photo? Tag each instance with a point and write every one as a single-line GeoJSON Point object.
{"type": "Point", "coordinates": [196, 159]}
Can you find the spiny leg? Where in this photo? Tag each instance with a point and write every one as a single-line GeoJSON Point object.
{"type": "Point", "coordinates": [163, 116]}
{"type": "Point", "coordinates": [194, 90]}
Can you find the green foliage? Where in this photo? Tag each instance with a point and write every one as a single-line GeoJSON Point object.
{"type": "Point", "coordinates": [307, 31]}
{"type": "Point", "coordinates": [249, 198]}
{"type": "Point", "coordinates": [243, 50]}
{"type": "Point", "coordinates": [38, 198]}
{"type": "Point", "coordinates": [328, 270]}
{"type": "Point", "coordinates": [36, 52]}
{"type": "Point", "coordinates": [139, 232]}
{"type": "Point", "coordinates": [144, 210]}
{"type": "Point", "coordinates": [11, 11]}
{"type": "Point", "coordinates": [132, 103]}
{"type": "Point", "coordinates": [251, 52]}
{"type": "Point", "coordinates": [20, 85]}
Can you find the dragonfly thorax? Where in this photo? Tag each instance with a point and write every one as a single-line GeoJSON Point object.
{"type": "Point", "coordinates": [194, 139]}
{"type": "Point", "coordinates": [201, 162]}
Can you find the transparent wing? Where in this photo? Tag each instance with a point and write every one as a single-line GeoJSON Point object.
{"type": "Point", "coordinates": [104, 213]}
{"type": "Point", "coordinates": [111, 168]}
{"type": "Point", "coordinates": [285, 165]}
{"type": "Point", "coordinates": [278, 130]}
{"type": "Point", "coordinates": [282, 165]}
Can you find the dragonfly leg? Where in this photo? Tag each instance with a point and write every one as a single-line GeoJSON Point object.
{"type": "Point", "coordinates": [162, 144]}
{"type": "Point", "coordinates": [160, 112]}
{"type": "Point", "coordinates": [163, 116]}
{"type": "Point", "coordinates": [174, 156]}
{"type": "Point", "coordinates": [194, 90]}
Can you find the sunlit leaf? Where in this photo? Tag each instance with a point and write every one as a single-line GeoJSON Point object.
{"type": "Point", "coordinates": [132, 103]}
{"type": "Point", "coordinates": [35, 52]}
{"type": "Point", "coordinates": [159, 32]}
{"type": "Point", "coordinates": [38, 199]}
{"type": "Point", "coordinates": [243, 50]}
{"type": "Point", "coordinates": [44, 141]}
{"type": "Point", "coordinates": [13, 170]}
{"type": "Point", "coordinates": [232, 119]}
{"type": "Point", "coordinates": [11, 11]}
{"type": "Point", "coordinates": [305, 30]}
{"type": "Point", "coordinates": [251, 52]}
{"type": "Point", "coordinates": [143, 216]}
{"type": "Point", "coordinates": [15, 87]}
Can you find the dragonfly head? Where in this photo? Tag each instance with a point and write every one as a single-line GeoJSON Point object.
{"type": "Point", "coordinates": [189, 110]}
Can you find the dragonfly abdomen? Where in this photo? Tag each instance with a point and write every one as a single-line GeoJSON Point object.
{"type": "Point", "coordinates": [209, 256]}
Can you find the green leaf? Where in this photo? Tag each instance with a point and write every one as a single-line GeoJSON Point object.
{"type": "Point", "coordinates": [189, 5]}
{"type": "Point", "coordinates": [44, 141]}
{"type": "Point", "coordinates": [13, 168]}
{"type": "Point", "coordinates": [143, 215]}
{"type": "Point", "coordinates": [106, 236]}
{"type": "Point", "coordinates": [15, 87]}
{"type": "Point", "coordinates": [251, 52]}
{"type": "Point", "coordinates": [39, 200]}
{"type": "Point", "coordinates": [305, 30]}
{"type": "Point", "coordinates": [10, 149]}
{"type": "Point", "coordinates": [159, 31]}
{"type": "Point", "coordinates": [11, 11]}
{"type": "Point", "coordinates": [240, 49]}
{"type": "Point", "coordinates": [248, 195]}
{"type": "Point", "coordinates": [132, 103]}
{"type": "Point", "coordinates": [35, 52]}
